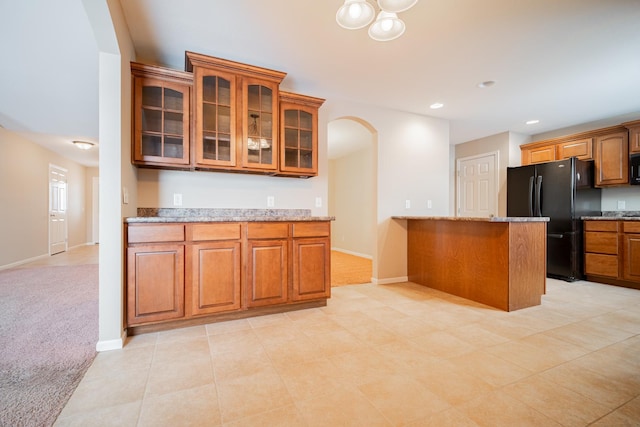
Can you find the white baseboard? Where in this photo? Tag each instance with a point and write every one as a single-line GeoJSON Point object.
{"type": "Point", "coordinates": [390, 280]}
{"type": "Point", "coordinates": [24, 261]}
{"type": "Point", "coordinates": [352, 253]}
{"type": "Point", "coordinates": [116, 344]}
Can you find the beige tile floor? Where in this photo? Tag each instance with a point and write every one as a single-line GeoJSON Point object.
{"type": "Point", "coordinates": [387, 355]}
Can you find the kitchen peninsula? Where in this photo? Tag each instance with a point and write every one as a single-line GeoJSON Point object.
{"type": "Point", "coordinates": [191, 266]}
{"type": "Point", "coordinates": [498, 261]}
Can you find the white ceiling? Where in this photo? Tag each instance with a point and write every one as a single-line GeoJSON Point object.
{"type": "Point", "coordinates": [563, 62]}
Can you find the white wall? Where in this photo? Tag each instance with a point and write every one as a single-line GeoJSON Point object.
{"type": "Point", "coordinates": [412, 164]}
{"type": "Point", "coordinates": [353, 194]}
{"type": "Point", "coordinates": [24, 199]}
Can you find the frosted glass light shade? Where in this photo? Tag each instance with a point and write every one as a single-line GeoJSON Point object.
{"type": "Point", "coordinates": [396, 6]}
{"type": "Point", "coordinates": [355, 14]}
{"type": "Point", "coordinates": [387, 27]}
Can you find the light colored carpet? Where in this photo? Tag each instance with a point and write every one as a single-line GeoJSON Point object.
{"type": "Point", "coordinates": [48, 335]}
{"type": "Point", "coordinates": [349, 269]}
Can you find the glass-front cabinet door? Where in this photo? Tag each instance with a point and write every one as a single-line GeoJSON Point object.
{"type": "Point", "coordinates": [161, 122]}
{"type": "Point", "coordinates": [260, 124]}
{"type": "Point", "coordinates": [215, 118]}
{"type": "Point", "coordinates": [299, 134]}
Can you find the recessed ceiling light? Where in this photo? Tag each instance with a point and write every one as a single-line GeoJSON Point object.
{"type": "Point", "coordinates": [532, 122]}
{"type": "Point", "coordinates": [486, 84]}
{"type": "Point", "coordinates": [436, 105]}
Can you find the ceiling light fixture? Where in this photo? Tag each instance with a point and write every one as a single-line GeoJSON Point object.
{"type": "Point", "coordinates": [83, 145]}
{"type": "Point", "coordinates": [436, 105]}
{"type": "Point", "coordinates": [532, 122]}
{"type": "Point", "coordinates": [486, 84]}
{"type": "Point", "coordinates": [356, 14]}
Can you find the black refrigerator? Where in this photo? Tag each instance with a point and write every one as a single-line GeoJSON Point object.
{"type": "Point", "coordinates": [564, 192]}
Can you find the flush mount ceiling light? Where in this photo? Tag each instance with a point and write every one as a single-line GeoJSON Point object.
{"type": "Point", "coordinates": [486, 84]}
{"type": "Point", "coordinates": [436, 105]}
{"type": "Point", "coordinates": [83, 145]}
{"type": "Point", "coordinates": [532, 122]}
{"type": "Point", "coordinates": [356, 14]}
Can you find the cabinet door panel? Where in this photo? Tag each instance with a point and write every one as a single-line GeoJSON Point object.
{"type": "Point", "coordinates": [155, 283]}
{"type": "Point", "coordinates": [631, 257]}
{"type": "Point", "coordinates": [161, 122]}
{"type": "Point", "coordinates": [216, 277]}
{"type": "Point", "coordinates": [267, 272]}
{"type": "Point", "coordinates": [612, 159]}
{"type": "Point", "coordinates": [215, 118]}
{"type": "Point", "coordinates": [582, 149]}
{"type": "Point", "coordinates": [311, 269]}
{"type": "Point", "coordinates": [539, 155]}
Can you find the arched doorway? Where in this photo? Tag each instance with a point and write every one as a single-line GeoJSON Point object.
{"type": "Point", "coordinates": [352, 154]}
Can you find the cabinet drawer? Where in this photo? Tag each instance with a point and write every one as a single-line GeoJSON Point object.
{"type": "Point", "coordinates": [151, 233]}
{"type": "Point", "coordinates": [601, 265]}
{"type": "Point", "coordinates": [631, 226]}
{"type": "Point", "coordinates": [601, 226]}
{"type": "Point", "coordinates": [311, 229]}
{"type": "Point", "coordinates": [602, 243]}
{"type": "Point", "coordinates": [224, 231]}
{"type": "Point", "coordinates": [267, 230]}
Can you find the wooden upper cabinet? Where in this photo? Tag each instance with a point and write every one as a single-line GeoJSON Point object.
{"type": "Point", "coordinates": [581, 148]}
{"type": "Point", "coordinates": [612, 159]}
{"type": "Point", "coordinates": [161, 116]}
{"type": "Point", "coordinates": [634, 136]}
{"type": "Point", "coordinates": [259, 124]}
{"type": "Point", "coordinates": [299, 134]}
{"type": "Point", "coordinates": [215, 117]}
{"type": "Point", "coordinates": [542, 154]}
{"type": "Point", "coordinates": [236, 117]}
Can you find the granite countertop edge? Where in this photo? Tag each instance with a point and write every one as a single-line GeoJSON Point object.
{"type": "Point", "coordinates": [468, 219]}
{"type": "Point", "coordinates": [610, 218]}
{"type": "Point", "coordinates": [189, 215]}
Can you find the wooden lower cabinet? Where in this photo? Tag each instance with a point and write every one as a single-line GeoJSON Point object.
{"type": "Point", "coordinates": [179, 273]}
{"type": "Point", "coordinates": [311, 269]}
{"type": "Point", "coordinates": [612, 252]}
{"type": "Point", "coordinates": [155, 283]}
{"type": "Point", "coordinates": [216, 277]}
{"type": "Point", "coordinates": [267, 272]}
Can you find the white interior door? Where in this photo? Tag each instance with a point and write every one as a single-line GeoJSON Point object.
{"type": "Point", "coordinates": [57, 210]}
{"type": "Point", "coordinates": [477, 185]}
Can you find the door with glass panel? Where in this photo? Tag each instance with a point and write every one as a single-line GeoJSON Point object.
{"type": "Point", "coordinates": [260, 124]}
{"type": "Point", "coordinates": [215, 118]}
{"type": "Point", "coordinates": [161, 122]}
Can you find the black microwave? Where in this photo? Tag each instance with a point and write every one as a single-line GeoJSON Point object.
{"type": "Point", "coordinates": [634, 169]}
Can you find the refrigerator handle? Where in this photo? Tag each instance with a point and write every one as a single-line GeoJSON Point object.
{"type": "Point", "coordinates": [530, 196]}
{"type": "Point", "coordinates": [538, 191]}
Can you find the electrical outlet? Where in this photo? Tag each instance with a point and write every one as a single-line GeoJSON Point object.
{"type": "Point", "coordinates": [271, 201]}
{"type": "Point", "coordinates": [177, 199]}
{"type": "Point", "coordinates": [125, 195]}
{"type": "Point", "coordinates": [622, 205]}
{"type": "Point", "coordinates": [318, 202]}
{"type": "Point", "coordinates": [429, 204]}
{"type": "Point", "coordinates": [407, 204]}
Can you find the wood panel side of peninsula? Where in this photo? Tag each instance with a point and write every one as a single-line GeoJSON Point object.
{"type": "Point", "coordinates": [500, 264]}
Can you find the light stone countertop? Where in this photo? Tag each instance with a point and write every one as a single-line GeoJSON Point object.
{"type": "Point", "coordinates": [168, 215]}
{"type": "Point", "coordinates": [491, 219]}
{"type": "Point", "coordinates": [615, 216]}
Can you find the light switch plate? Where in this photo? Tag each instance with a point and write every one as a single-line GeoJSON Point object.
{"type": "Point", "coordinates": [622, 204]}
{"type": "Point", "coordinates": [177, 199]}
